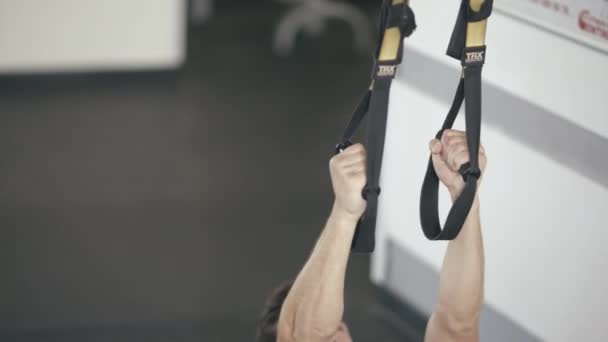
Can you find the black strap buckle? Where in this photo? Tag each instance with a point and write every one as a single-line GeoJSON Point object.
{"type": "Point", "coordinates": [371, 191]}
{"type": "Point", "coordinates": [483, 14]}
{"type": "Point", "coordinates": [403, 17]}
{"type": "Point", "coordinates": [439, 134]}
{"type": "Point", "coordinates": [343, 146]}
{"type": "Point", "coordinates": [467, 171]}
{"type": "Point", "coordinates": [408, 22]}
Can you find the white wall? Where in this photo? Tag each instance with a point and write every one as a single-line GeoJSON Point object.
{"type": "Point", "coordinates": [91, 35]}
{"type": "Point", "coordinates": [544, 223]}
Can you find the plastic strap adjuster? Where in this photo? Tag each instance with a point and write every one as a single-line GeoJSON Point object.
{"type": "Point", "coordinates": [343, 146]}
{"type": "Point", "coordinates": [483, 14]}
{"type": "Point", "coordinates": [371, 190]}
{"type": "Point", "coordinates": [467, 171]}
{"type": "Point", "coordinates": [408, 23]}
{"type": "Point", "coordinates": [439, 134]}
{"type": "Point", "coordinates": [395, 15]}
{"type": "Point", "coordinates": [403, 17]}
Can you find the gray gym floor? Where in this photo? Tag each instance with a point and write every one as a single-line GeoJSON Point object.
{"type": "Point", "coordinates": [165, 206]}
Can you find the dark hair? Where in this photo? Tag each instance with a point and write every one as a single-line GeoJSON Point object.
{"type": "Point", "coordinates": [267, 324]}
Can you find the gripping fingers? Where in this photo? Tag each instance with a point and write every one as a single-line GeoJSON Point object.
{"type": "Point", "coordinates": [454, 150]}
{"type": "Point", "coordinates": [453, 133]}
{"type": "Point", "coordinates": [354, 161]}
{"type": "Point", "coordinates": [358, 168]}
{"type": "Point", "coordinates": [457, 155]}
{"type": "Point", "coordinates": [351, 159]}
{"type": "Point", "coordinates": [354, 155]}
{"type": "Point", "coordinates": [449, 140]}
{"type": "Point", "coordinates": [453, 147]}
{"type": "Point", "coordinates": [459, 159]}
{"type": "Point", "coordinates": [353, 149]}
{"type": "Point", "coordinates": [435, 146]}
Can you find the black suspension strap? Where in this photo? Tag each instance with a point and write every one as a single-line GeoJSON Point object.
{"type": "Point", "coordinates": [396, 22]}
{"type": "Point", "coordinates": [467, 44]}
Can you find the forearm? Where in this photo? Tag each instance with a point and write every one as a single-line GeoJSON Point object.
{"type": "Point", "coordinates": [461, 287]}
{"type": "Point", "coordinates": [314, 307]}
{"type": "Point", "coordinates": [461, 283]}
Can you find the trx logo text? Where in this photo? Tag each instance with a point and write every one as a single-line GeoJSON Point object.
{"type": "Point", "coordinates": [473, 57]}
{"type": "Point", "coordinates": [386, 70]}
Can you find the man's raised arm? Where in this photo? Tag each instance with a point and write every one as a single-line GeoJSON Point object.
{"type": "Point", "coordinates": [461, 286]}
{"type": "Point", "coordinates": [314, 307]}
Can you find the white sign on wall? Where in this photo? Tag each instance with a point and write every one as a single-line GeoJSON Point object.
{"type": "Point", "coordinates": [583, 20]}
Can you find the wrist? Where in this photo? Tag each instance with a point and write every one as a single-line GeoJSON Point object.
{"type": "Point", "coordinates": [474, 207]}
{"type": "Point", "coordinates": [455, 192]}
{"type": "Point", "coordinates": [344, 216]}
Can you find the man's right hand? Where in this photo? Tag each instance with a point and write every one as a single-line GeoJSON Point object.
{"type": "Point", "coordinates": [348, 176]}
{"type": "Point", "coordinates": [449, 154]}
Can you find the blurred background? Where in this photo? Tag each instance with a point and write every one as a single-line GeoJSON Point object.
{"type": "Point", "coordinates": [163, 166]}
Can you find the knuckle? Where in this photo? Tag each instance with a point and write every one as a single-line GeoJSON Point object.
{"type": "Point", "coordinates": [334, 161]}
{"type": "Point", "coordinates": [454, 141]}
{"type": "Point", "coordinates": [453, 133]}
{"type": "Point", "coordinates": [453, 150]}
{"type": "Point", "coordinates": [361, 180]}
{"type": "Point", "coordinates": [453, 146]}
{"type": "Point", "coordinates": [357, 147]}
{"type": "Point", "coordinates": [462, 158]}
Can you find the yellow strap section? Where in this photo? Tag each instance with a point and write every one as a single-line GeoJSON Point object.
{"type": "Point", "coordinates": [390, 42]}
{"type": "Point", "coordinates": [476, 32]}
